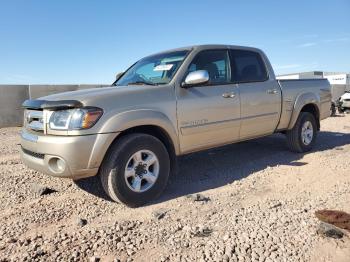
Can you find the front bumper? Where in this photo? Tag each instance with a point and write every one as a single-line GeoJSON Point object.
{"type": "Point", "coordinates": [65, 156]}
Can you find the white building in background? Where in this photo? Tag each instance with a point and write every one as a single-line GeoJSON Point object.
{"type": "Point", "coordinates": [340, 82]}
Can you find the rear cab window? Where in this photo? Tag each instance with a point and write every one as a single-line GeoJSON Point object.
{"type": "Point", "coordinates": [247, 66]}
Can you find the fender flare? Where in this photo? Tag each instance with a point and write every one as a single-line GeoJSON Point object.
{"type": "Point", "coordinates": [118, 122]}
{"type": "Point", "coordinates": [302, 100]}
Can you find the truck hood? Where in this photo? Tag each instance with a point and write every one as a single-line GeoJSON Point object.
{"type": "Point", "coordinates": [81, 95]}
{"type": "Point", "coordinates": [116, 98]}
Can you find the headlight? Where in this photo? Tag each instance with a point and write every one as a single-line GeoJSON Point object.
{"type": "Point", "coordinates": [75, 119]}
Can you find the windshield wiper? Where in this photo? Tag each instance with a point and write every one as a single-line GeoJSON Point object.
{"type": "Point", "coordinates": [141, 83]}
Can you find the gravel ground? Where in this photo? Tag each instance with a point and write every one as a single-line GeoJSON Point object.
{"type": "Point", "coordinates": [252, 201]}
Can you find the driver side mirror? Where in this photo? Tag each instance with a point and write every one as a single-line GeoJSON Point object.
{"type": "Point", "coordinates": [196, 78]}
{"type": "Point", "coordinates": [119, 75]}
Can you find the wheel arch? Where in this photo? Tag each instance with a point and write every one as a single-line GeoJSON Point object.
{"type": "Point", "coordinates": [149, 122]}
{"type": "Point", "coordinates": [157, 132]}
{"type": "Point", "coordinates": [152, 130]}
{"type": "Point", "coordinates": [144, 121]}
{"type": "Point", "coordinates": [307, 102]}
{"type": "Point", "coordinates": [313, 109]}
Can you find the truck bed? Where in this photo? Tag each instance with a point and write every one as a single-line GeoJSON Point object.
{"type": "Point", "coordinates": [293, 88]}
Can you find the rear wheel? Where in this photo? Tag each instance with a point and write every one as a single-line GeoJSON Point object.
{"type": "Point", "coordinates": [135, 169]}
{"type": "Point", "coordinates": [301, 137]}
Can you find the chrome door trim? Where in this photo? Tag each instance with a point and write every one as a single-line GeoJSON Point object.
{"type": "Point", "coordinates": [206, 127]}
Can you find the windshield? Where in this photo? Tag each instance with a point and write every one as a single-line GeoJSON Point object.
{"type": "Point", "coordinates": [153, 70]}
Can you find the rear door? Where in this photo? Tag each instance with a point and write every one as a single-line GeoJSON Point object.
{"type": "Point", "coordinates": [208, 114]}
{"type": "Point", "coordinates": [260, 96]}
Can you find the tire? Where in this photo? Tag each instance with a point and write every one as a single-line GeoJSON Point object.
{"type": "Point", "coordinates": [124, 159]}
{"type": "Point", "coordinates": [340, 107]}
{"type": "Point", "coordinates": [295, 140]}
{"type": "Point", "coordinates": [333, 110]}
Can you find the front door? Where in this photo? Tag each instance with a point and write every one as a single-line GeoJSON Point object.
{"type": "Point", "coordinates": [209, 114]}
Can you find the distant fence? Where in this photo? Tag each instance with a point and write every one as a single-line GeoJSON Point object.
{"type": "Point", "coordinates": [12, 97]}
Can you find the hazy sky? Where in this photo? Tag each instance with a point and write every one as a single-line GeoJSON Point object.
{"type": "Point", "coordinates": [83, 41]}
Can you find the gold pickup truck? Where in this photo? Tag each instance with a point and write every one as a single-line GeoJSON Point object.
{"type": "Point", "coordinates": [165, 105]}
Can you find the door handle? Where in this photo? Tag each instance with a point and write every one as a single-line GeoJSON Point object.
{"type": "Point", "coordinates": [272, 91]}
{"type": "Point", "coordinates": [228, 95]}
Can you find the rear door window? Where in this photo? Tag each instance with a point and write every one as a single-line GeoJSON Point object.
{"type": "Point", "coordinates": [247, 66]}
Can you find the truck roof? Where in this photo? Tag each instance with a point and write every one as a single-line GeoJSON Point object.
{"type": "Point", "coordinates": [210, 46]}
{"type": "Point", "coordinates": [216, 46]}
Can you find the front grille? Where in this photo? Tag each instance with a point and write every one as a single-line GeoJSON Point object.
{"type": "Point", "coordinates": [33, 120]}
{"type": "Point", "coordinates": [33, 154]}
{"type": "Point", "coordinates": [347, 100]}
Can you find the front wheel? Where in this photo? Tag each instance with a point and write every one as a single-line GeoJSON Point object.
{"type": "Point", "coordinates": [135, 169]}
{"type": "Point", "coordinates": [302, 136]}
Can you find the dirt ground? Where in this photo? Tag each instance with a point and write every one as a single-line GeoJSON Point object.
{"type": "Point", "coordinates": [257, 202]}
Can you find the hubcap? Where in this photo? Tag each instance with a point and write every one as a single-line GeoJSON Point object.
{"type": "Point", "coordinates": [307, 133]}
{"type": "Point", "coordinates": [141, 171]}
